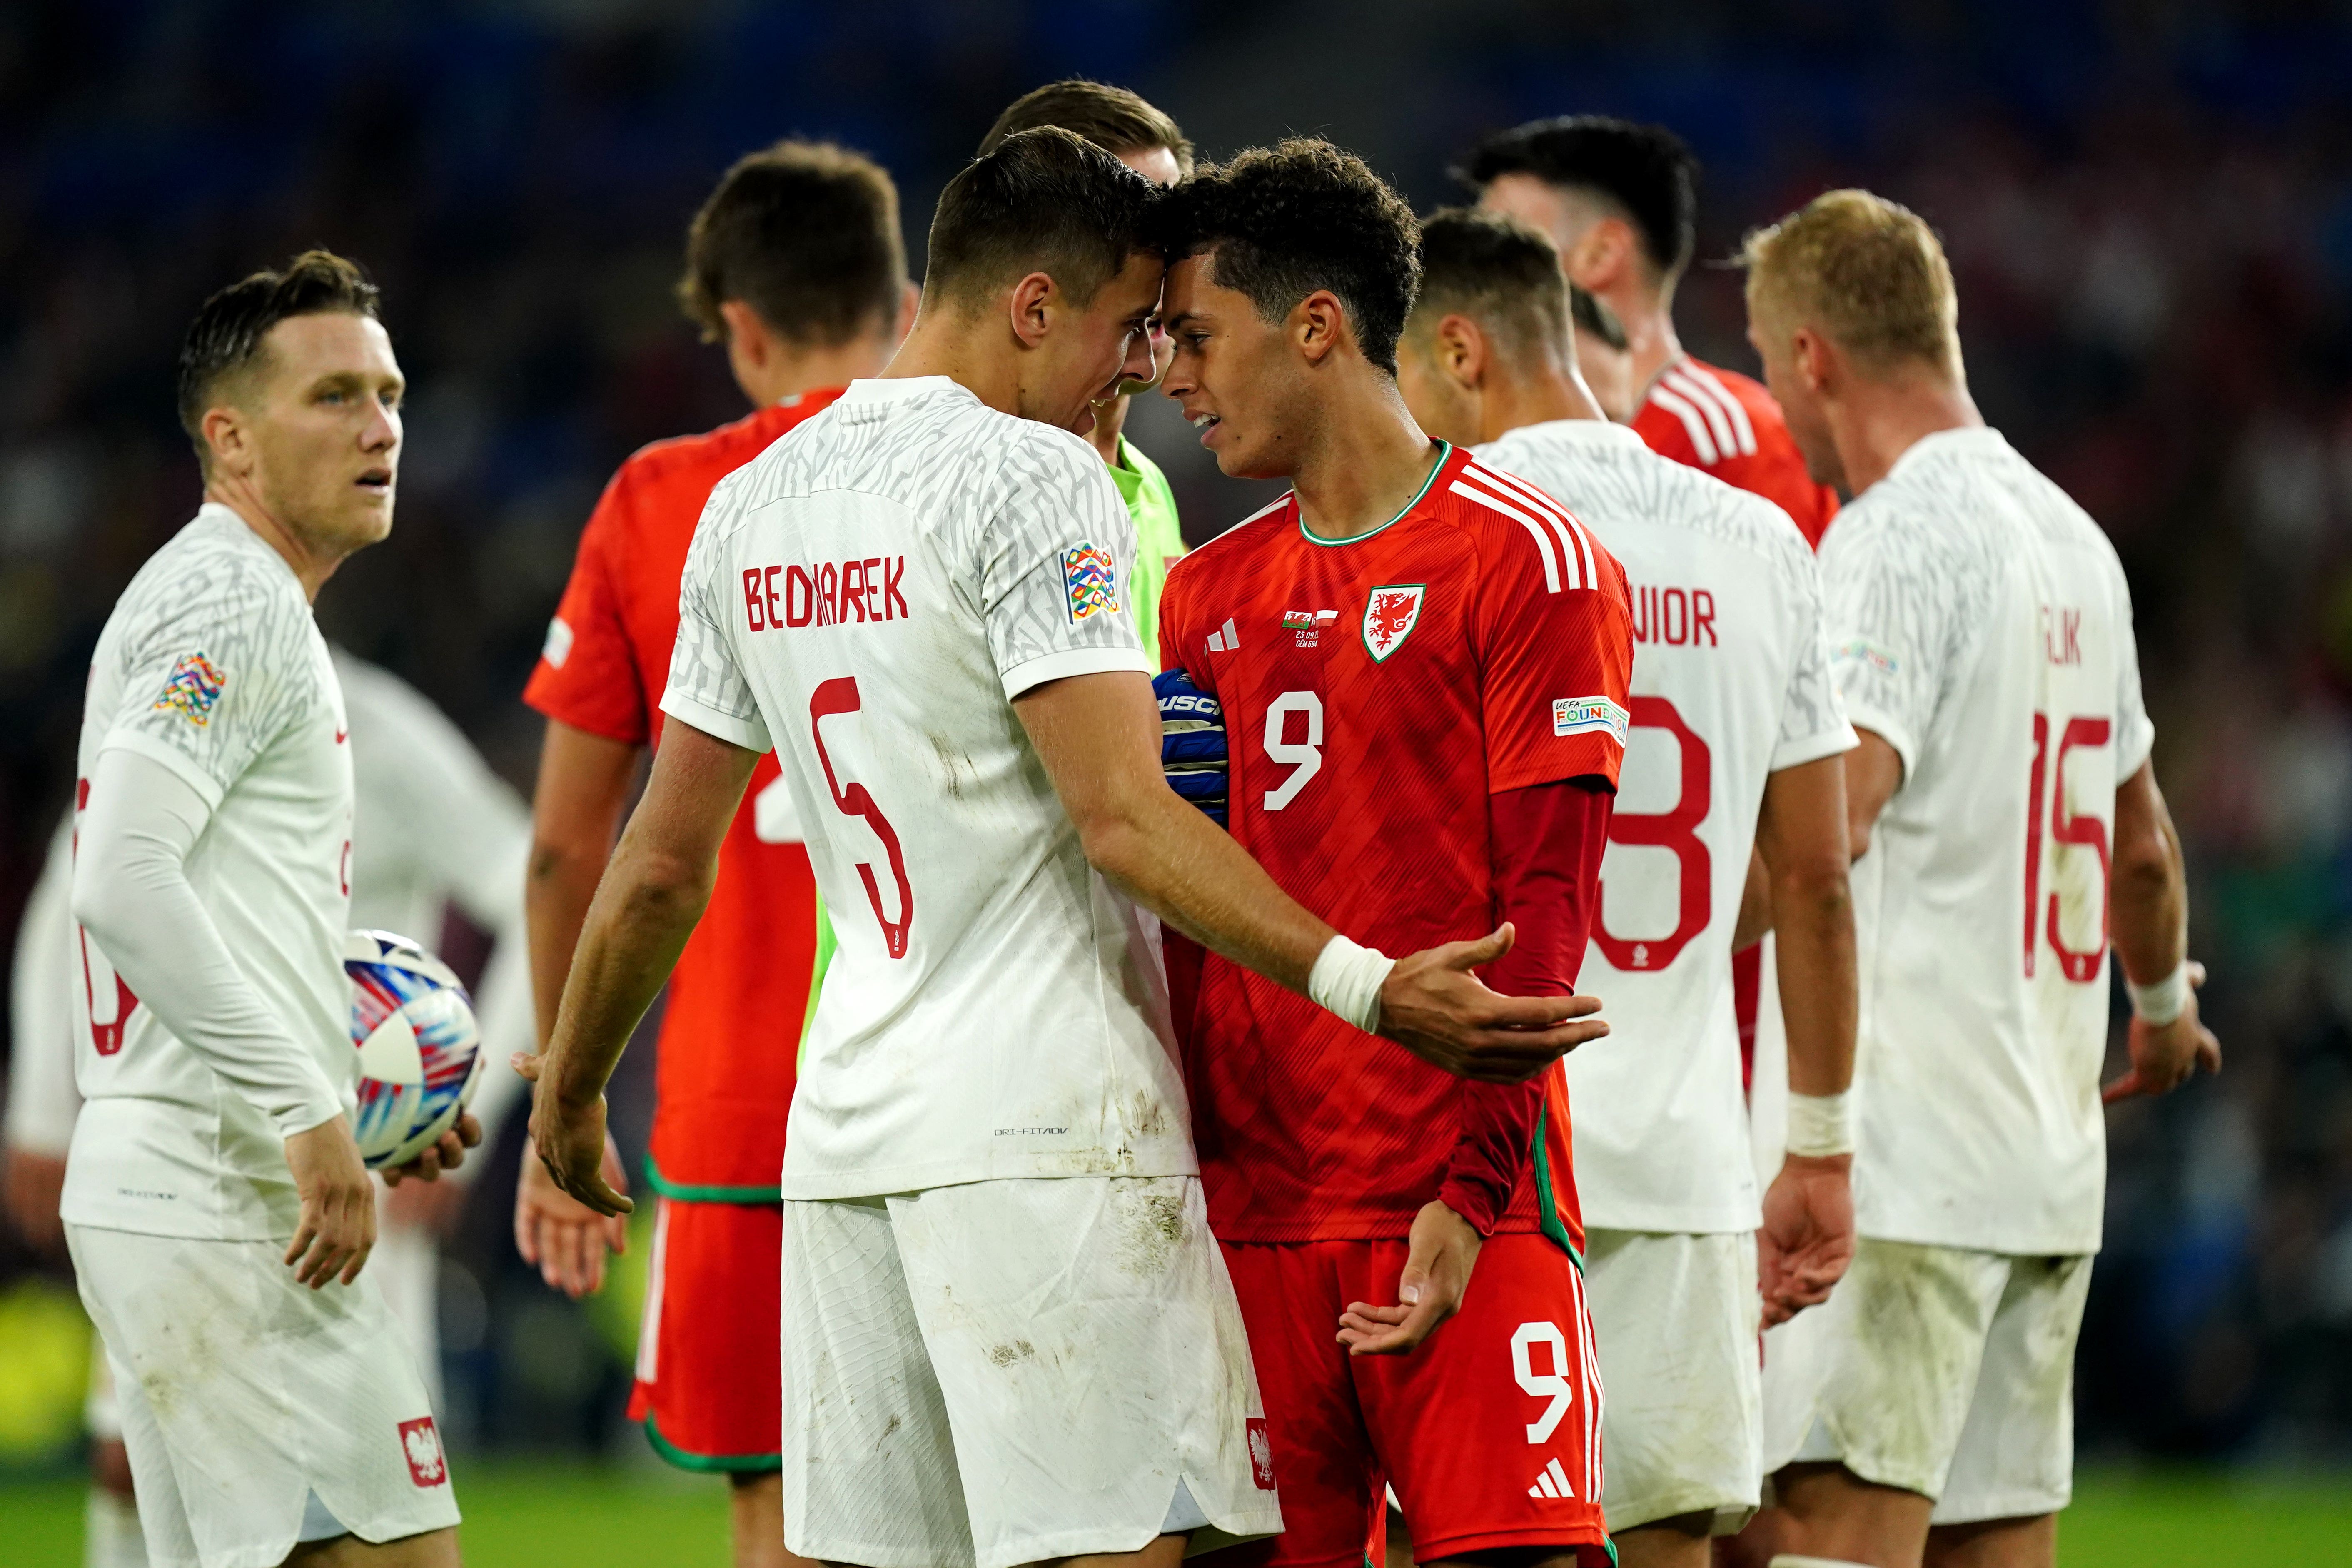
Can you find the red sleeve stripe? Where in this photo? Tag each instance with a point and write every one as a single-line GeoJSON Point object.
{"type": "Point", "coordinates": [1694, 425]}
{"type": "Point", "coordinates": [1726, 415]}
{"type": "Point", "coordinates": [1573, 537]}
{"type": "Point", "coordinates": [1544, 541]}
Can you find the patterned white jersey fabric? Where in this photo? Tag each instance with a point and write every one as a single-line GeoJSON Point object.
{"type": "Point", "coordinates": [1731, 683]}
{"type": "Point", "coordinates": [1980, 622]}
{"type": "Point", "coordinates": [212, 666]}
{"type": "Point", "coordinates": [866, 596]}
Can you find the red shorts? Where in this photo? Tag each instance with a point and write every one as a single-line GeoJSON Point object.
{"type": "Point", "coordinates": [708, 1386]}
{"type": "Point", "coordinates": [1490, 1432]}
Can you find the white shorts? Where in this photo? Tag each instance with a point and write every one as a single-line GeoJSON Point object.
{"type": "Point", "coordinates": [1006, 1371]}
{"type": "Point", "coordinates": [1944, 1372]}
{"type": "Point", "coordinates": [1674, 1319]}
{"type": "Point", "coordinates": [258, 1413]}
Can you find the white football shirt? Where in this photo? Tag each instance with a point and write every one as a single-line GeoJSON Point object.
{"type": "Point", "coordinates": [866, 596]}
{"type": "Point", "coordinates": [212, 666]}
{"type": "Point", "coordinates": [1980, 625]}
{"type": "Point", "coordinates": [1730, 684]}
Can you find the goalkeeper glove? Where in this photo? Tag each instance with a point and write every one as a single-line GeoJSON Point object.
{"type": "Point", "coordinates": [1192, 742]}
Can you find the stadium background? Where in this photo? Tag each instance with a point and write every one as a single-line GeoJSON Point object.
{"type": "Point", "coordinates": [2148, 203]}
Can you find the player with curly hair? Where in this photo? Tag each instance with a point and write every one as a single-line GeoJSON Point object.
{"type": "Point", "coordinates": [1421, 667]}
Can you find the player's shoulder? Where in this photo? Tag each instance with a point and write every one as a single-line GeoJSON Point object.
{"type": "Point", "coordinates": [1612, 479]}
{"type": "Point", "coordinates": [1268, 524]}
{"type": "Point", "coordinates": [696, 463]}
{"type": "Point", "coordinates": [1517, 528]}
{"type": "Point", "coordinates": [1702, 414]}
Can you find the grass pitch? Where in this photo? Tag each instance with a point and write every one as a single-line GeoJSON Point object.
{"type": "Point", "coordinates": [524, 1515]}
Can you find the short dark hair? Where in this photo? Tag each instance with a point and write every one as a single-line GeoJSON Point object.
{"type": "Point", "coordinates": [1281, 222]}
{"type": "Point", "coordinates": [1497, 271]}
{"type": "Point", "coordinates": [806, 233]}
{"type": "Point", "coordinates": [1645, 170]}
{"type": "Point", "coordinates": [1043, 201]}
{"type": "Point", "coordinates": [226, 339]}
{"type": "Point", "coordinates": [1112, 118]}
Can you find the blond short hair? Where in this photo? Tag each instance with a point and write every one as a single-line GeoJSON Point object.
{"type": "Point", "coordinates": [1867, 272]}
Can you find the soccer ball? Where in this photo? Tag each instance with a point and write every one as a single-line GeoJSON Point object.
{"type": "Point", "coordinates": [420, 1049]}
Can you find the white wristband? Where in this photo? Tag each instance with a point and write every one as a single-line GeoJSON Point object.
{"type": "Point", "coordinates": [2163, 1002]}
{"type": "Point", "coordinates": [1347, 979]}
{"type": "Point", "coordinates": [1819, 1125]}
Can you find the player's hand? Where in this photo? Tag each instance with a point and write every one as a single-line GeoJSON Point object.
{"type": "Point", "coordinates": [36, 1183]}
{"type": "Point", "coordinates": [570, 1139]}
{"type": "Point", "coordinates": [1434, 1007]}
{"type": "Point", "coordinates": [337, 1230]}
{"type": "Point", "coordinates": [2164, 1056]}
{"type": "Point", "coordinates": [447, 1153]}
{"type": "Point", "coordinates": [562, 1237]}
{"type": "Point", "coordinates": [1807, 1239]}
{"type": "Point", "coordinates": [1438, 1260]}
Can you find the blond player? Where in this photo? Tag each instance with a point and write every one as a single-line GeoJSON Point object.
{"type": "Point", "coordinates": [2007, 826]}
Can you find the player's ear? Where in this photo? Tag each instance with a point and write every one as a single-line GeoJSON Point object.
{"type": "Point", "coordinates": [1599, 259]}
{"type": "Point", "coordinates": [230, 440]}
{"type": "Point", "coordinates": [1461, 351]}
{"type": "Point", "coordinates": [1814, 359]}
{"type": "Point", "coordinates": [1317, 322]}
{"type": "Point", "coordinates": [1027, 308]}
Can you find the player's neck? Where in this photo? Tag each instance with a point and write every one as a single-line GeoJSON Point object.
{"type": "Point", "coordinates": [1110, 419]}
{"type": "Point", "coordinates": [312, 561]}
{"type": "Point", "coordinates": [1364, 464]}
{"type": "Point", "coordinates": [1649, 324]}
{"type": "Point", "coordinates": [963, 349]}
{"type": "Point", "coordinates": [1879, 421]}
{"type": "Point", "coordinates": [1548, 394]}
{"type": "Point", "coordinates": [792, 371]}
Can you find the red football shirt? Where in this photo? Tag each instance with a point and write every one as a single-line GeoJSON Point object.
{"type": "Point", "coordinates": [1377, 690]}
{"type": "Point", "coordinates": [1730, 426]}
{"type": "Point", "coordinates": [730, 1035]}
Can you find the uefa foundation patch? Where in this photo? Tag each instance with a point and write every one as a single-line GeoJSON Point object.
{"type": "Point", "coordinates": [192, 689]}
{"type": "Point", "coordinates": [1092, 580]}
{"type": "Point", "coordinates": [1588, 716]}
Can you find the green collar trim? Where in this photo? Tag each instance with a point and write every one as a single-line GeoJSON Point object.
{"type": "Point", "coordinates": [1445, 451]}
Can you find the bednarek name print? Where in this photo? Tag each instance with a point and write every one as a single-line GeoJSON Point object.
{"type": "Point", "coordinates": [829, 593]}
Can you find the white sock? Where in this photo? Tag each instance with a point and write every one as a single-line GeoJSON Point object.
{"type": "Point", "coordinates": [111, 1534]}
{"type": "Point", "coordinates": [1794, 1559]}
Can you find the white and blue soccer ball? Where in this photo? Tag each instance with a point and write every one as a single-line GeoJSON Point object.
{"type": "Point", "coordinates": [420, 1048]}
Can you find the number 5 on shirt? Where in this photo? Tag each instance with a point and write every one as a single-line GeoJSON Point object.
{"type": "Point", "coordinates": [840, 695]}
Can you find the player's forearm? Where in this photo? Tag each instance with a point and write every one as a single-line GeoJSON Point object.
{"type": "Point", "coordinates": [1755, 923]}
{"type": "Point", "coordinates": [131, 895]}
{"type": "Point", "coordinates": [1800, 838]}
{"type": "Point", "coordinates": [584, 781]}
{"type": "Point", "coordinates": [643, 912]}
{"type": "Point", "coordinates": [1182, 866]}
{"type": "Point", "coordinates": [1815, 964]}
{"type": "Point", "coordinates": [2147, 896]}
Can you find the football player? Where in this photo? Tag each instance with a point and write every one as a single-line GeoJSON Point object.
{"type": "Point", "coordinates": [796, 265]}
{"type": "Point", "coordinates": [1421, 665]}
{"type": "Point", "coordinates": [215, 1202]}
{"type": "Point", "coordinates": [1738, 735]}
{"type": "Point", "coordinates": [2007, 826]}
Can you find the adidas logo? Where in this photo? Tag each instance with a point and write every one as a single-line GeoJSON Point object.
{"type": "Point", "coordinates": [1225, 639]}
{"type": "Point", "coordinates": [1551, 1481]}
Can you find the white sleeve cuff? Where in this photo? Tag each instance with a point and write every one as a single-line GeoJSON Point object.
{"type": "Point", "coordinates": [749, 733]}
{"type": "Point", "coordinates": [1813, 748]}
{"type": "Point", "coordinates": [1067, 662]}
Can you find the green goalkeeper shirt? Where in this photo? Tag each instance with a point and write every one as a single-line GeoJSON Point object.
{"type": "Point", "coordinates": [1159, 542]}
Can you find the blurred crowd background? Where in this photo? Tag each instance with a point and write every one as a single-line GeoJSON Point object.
{"type": "Point", "coordinates": [2148, 203]}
